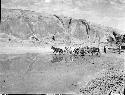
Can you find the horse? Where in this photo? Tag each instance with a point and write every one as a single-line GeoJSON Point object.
{"type": "Point", "coordinates": [86, 50]}
{"type": "Point", "coordinates": [95, 50]}
{"type": "Point", "coordinates": [57, 50]}
{"type": "Point", "coordinates": [68, 50]}
{"type": "Point", "coordinates": [82, 52]}
{"type": "Point", "coordinates": [76, 51]}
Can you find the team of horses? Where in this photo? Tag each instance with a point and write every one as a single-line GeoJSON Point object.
{"type": "Point", "coordinates": [82, 51]}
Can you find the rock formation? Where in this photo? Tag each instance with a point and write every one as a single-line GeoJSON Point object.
{"type": "Point", "coordinates": [23, 24]}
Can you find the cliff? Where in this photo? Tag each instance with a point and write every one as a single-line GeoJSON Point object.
{"type": "Point", "coordinates": [41, 28]}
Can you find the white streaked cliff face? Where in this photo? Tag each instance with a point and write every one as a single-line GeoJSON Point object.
{"type": "Point", "coordinates": [105, 12]}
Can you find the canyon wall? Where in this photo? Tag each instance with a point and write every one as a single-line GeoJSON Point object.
{"type": "Point", "coordinates": [25, 24]}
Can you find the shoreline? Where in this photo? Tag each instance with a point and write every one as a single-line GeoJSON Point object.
{"type": "Point", "coordinates": [38, 49]}
{"type": "Point", "coordinates": [25, 49]}
{"type": "Point", "coordinates": [43, 49]}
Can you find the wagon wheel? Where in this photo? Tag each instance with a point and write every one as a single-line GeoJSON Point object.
{"type": "Point", "coordinates": [98, 53]}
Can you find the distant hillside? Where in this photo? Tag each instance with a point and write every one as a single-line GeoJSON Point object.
{"type": "Point", "coordinates": [24, 24]}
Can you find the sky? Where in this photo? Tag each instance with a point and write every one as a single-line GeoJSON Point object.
{"type": "Point", "coordinates": [106, 12]}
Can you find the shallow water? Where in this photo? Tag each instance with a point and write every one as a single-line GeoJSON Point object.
{"type": "Point", "coordinates": [38, 73]}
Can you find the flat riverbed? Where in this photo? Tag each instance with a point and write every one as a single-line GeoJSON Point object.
{"type": "Point", "coordinates": [49, 73]}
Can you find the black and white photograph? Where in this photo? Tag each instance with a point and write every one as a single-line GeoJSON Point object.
{"type": "Point", "coordinates": [62, 47]}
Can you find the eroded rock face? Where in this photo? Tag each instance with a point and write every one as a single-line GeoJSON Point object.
{"type": "Point", "coordinates": [27, 23]}
{"type": "Point", "coordinates": [23, 24]}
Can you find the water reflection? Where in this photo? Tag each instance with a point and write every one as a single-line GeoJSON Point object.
{"type": "Point", "coordinates": [65, 58]}
{"type": "Point", "coordinates": [57, 58]}
{"type": "Point", "coordinates": [26, 62]}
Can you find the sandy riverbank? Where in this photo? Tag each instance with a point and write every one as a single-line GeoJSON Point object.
{"type": "Point", "coordinates": [21, 50]}
{"type": "Point", "coordinates": [18, 48]}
